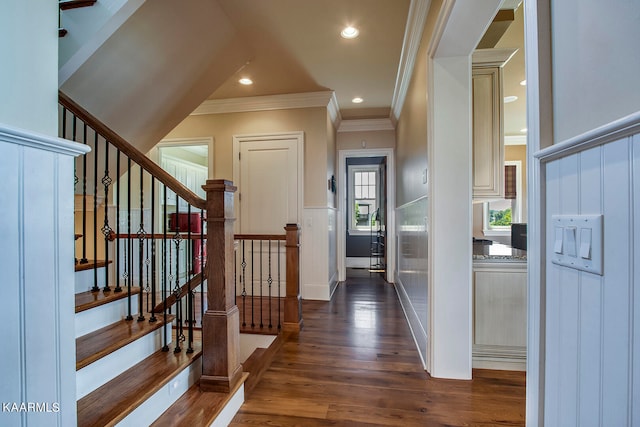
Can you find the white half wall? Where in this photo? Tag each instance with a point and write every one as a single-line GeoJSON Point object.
{"type": "Point", "coordinates": [592, 335]}
{"type": "Point", "coordinates": [319, 274]}
{"type": "Point", "coordinates": [37, 246]}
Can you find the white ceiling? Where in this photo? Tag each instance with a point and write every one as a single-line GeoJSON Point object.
{"type": "Point", "coordinates": [297, 48]}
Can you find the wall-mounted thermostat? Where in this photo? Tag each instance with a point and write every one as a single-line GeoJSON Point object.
{"type": "Point", "coordinates": [577, 242]}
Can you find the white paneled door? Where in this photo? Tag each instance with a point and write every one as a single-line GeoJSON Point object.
{"type": "Point", "coordinates": [268, 184]}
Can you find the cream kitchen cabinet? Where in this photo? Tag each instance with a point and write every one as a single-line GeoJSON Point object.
{"type": "Point", "coordinates": [488, 133]}
{"type": "Point", "coordinates": [500, 314]}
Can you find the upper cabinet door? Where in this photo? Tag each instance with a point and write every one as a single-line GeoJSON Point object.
{"type": "Point", "coordinates": [488, 134]}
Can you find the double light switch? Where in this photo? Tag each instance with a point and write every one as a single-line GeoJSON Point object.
{"type": "Point", "coordinates": [578, 242]}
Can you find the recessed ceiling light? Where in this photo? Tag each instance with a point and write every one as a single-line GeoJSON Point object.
{"type": "Point", "coordinates": [357, 100]}
{"type": "Point", "coordinates": [523, 130]}
{"type": "Point", "coordinates": [350, 32]}
{"type": "Point", "coordinates": [523, 83]}
{"type": "Point", "coordinates": [245, 81]}
{"type": "Point", "coordinates": [511, 98]}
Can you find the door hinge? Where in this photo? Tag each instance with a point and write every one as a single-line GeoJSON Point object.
{"type": "Point", "coordinates": [239, 197]}
{"type": "Point", "coordinates": [239, 156]}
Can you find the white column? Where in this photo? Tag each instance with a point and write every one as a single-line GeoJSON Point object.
{"type": "Point", "coordinates": [450, 218]}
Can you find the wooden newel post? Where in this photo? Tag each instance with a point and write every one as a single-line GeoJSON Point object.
{"type": "Point", "coordinates": [221, 368]}
{"type": "Point", "coordinates": [293, 302]}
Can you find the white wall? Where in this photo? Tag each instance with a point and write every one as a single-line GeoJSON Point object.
{"type": "Point", "coordinates": [596, 58]}
{"type": "Point", "coordinates": [28, 76]}
{"type": "Point", "coordinates": [584, 337]}
{"type": "Point", "coordinates": [36, 231]}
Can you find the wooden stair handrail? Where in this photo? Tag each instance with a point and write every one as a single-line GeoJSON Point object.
{"type": "Point", "coordinates": [184, 289]}
{"type": "Point", "coordinates": [260, 237]}
{"type": "Point", "coordinates": [132, 152]}
{"type": "Point", "coordinates": [75, 4]}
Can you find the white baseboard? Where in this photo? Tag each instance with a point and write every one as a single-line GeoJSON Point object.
{"type": "Point", "coordinates": [230, 410]}
{"type": "Point", "coordinates": [357, 262]}
{"type": "Point", "coordinates": [316, 291]}
{"type": "Point", "coordinates": [504, 358]}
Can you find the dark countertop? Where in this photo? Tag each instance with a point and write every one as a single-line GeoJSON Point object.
{"type": "Point", "coordinates": [497, 252]}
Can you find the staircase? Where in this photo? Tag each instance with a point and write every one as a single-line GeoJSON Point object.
{"type": "Point", "coordinates": [145, 351]}
{"type": "Point", "coordinates": [130, 371]}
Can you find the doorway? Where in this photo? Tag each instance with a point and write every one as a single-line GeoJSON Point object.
{"type": "Point", "coordinates": [366, 213]}
{"type": "Point", "coordinates": [190, 161]}
{"type": "Point", "coordinates": [366, 231]}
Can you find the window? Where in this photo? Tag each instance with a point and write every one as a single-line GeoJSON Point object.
{"type": "Point", "coordinates": [363, 200]}
{"type": "Point", "coordinates": [499, 214]}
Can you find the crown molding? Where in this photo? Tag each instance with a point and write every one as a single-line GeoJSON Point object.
{"type": "Point", "coordinates": [362, 125]}
{"type": "Point", "coordinates": [334, 111]}
{"type": "Point", "coordinates": [416, 19]}
{"type": "Point", "coordinates": [515, 140]}
{"type": "Point", "coordinates": [492, 57]}
{"type": "Point", "coordinates": [265, 103]}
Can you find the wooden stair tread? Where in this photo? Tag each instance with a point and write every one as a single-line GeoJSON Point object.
{"type": "Point", "coordinates": [87, 300]}
{"type": "Point", "coordinates": [74, 4]}
{"type": "Point", "coordinates": [91, 264]}
{"type": "Point", "coordinates": [97, 344]}
{"type": "Point", "coordinates": [112, 402]}
{"type": "Point", "coordinates": [196, 408]}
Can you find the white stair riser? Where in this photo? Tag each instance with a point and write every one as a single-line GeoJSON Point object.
{"type": "Point", "coordinates": [159, 402]}
{"type": "Point", "coordinates": [98, 317]}
{"type": "Point", "coordinates": [230, 410]}
{"type": "Point", "coordinates": [84, 280]}
{"type": "Point", "coordinates": [105, 369]}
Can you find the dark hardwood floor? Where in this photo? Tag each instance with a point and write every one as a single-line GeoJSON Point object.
{"type": "Point", "coordinates": [355, 364]}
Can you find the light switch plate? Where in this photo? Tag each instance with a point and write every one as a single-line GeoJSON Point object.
{"type": "Point", "coordinates": [582, 254]}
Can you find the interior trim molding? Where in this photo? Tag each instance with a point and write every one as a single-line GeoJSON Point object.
{"type": "Point", "coordinates": [40, 141]}
{"type": "Point", "coordinates": [361, 125]}
{"type": "Point", "coordinates": [418, 11]}
{"type": "Point", "coordinates": [613, 131]}
{"type": "Point", "coordinates": [492, 57]}
{"type": "Point", "coordinates": [267, 103]}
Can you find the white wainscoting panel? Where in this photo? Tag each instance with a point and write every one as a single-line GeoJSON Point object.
{"type": "Point", "coordinates": [36, 243]}
{"type": "Point", "coordinates": [412, 273]}
{"type": "Point", "coordinates": [592, 349]}
{"type": "Point", "coordinates": [318, 253]}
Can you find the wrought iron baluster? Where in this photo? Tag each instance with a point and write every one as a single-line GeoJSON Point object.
{"type": "Point", "coordinates": [95, 211]}
{"type": "Point", "coordinates": [129, 261]}
{"type": "Point", "coordinates": [269, 282]}
{"type": "Point", "coordinates": [261, 299]}
{"type": "Point", "coordinates": [73, 135]}
{"type": "Point", "coordinates": [177, 239]}
{"type": "Point", "coordinates": [279, 295]}
{"type": "Point", "coordinates": [203, 263]}
{"type": "Point", "coordinates": [165, 248]}
{"type": "Point", "coordinates": [153, 250]}
{"type": "Point", "coordinates": [243, 281]}
{"type": "Point", "coordinates": [106, 229]}
{"type": "Point", "coordinates": [189, 262]}
{"type": "Point", "coordinates": [141, 237]}
{"type": "Point", "coordinates": [253, 293]}
{"type": "Point", "coordinates": [84, 259]}
{"type": "Point", "coordinates": [118, 288]}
